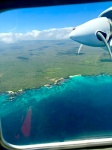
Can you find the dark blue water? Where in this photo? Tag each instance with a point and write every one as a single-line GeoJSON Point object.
{"type": "Point", "coordinates": [77, 108]}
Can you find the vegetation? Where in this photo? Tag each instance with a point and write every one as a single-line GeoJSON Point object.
{"type": "Point", "coordinates": [30, 64]}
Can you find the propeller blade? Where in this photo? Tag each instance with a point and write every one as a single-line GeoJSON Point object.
{"type": "Point", "coordinates": [80, 48]}
{"type": "Point", "coordinates": [100, 36]}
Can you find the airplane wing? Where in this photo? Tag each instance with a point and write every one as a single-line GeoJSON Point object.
{"type": "Point", "coordinates": [107, 13]}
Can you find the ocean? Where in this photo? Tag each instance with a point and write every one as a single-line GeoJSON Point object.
{"type": "Point", "coordinates": [78, 107]}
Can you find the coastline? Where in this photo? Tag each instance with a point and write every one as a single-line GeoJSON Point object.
{"type": "Point", "coordinates": [56, 82]}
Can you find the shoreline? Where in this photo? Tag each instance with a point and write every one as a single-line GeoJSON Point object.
{"type": "Point", "coordinates": [56, 82]}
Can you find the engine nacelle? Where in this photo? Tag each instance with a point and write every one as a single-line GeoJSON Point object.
{"type": "Point", "coordinates": [86, 33]}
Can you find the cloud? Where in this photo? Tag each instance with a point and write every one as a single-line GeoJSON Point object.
{"type": "Point", "coordinates": [50, 34]}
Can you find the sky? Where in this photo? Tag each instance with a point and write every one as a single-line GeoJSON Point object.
{"type": "Point", "coordinates": [36, 21]}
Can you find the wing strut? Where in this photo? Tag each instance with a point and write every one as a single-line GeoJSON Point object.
{"type": "Point", "coordinates": [80, 48]}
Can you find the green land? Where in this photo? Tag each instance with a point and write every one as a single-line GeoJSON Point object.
{"type": "Point", "coordinates": [31, 64]}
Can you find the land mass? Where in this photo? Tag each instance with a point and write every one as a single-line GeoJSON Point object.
{"type": "Point", "coordinates": [31, 64]}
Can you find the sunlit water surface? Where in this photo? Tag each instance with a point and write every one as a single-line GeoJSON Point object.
{"type": "Point", "coordinates": [79, 107]}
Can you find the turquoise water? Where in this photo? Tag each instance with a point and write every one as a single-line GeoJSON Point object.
{"type": "Point", "coordinates": [78, 107]}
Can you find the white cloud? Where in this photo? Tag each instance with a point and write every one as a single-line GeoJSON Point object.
{"type": "Point", "coordinates": [50, 34]}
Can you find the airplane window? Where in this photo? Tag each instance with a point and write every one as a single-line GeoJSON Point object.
{"type": "Point", "coordinates": [56, 76]}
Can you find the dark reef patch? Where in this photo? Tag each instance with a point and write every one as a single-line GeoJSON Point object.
{"type": "Point", "coordinates": [70, 52]}
{"type": "Point", "coordinates": [31, 54]}
{"type": "Point", "coordinates": [16, 47]}
{"type": "Point", "coordinates": [32, 49]}
{"type": "Point", "coordinates": [61, 43]}
{"type": "Point", "coordinates": [106, 60]}
{"type": "Point", "coordinates": [22, 58]}
{"type": "Point", "coordinates": [79, 53]}
{"type": "Point", "coordinates": [1, 50]}
{"type": "Point", "coordinates": [43, 47]}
